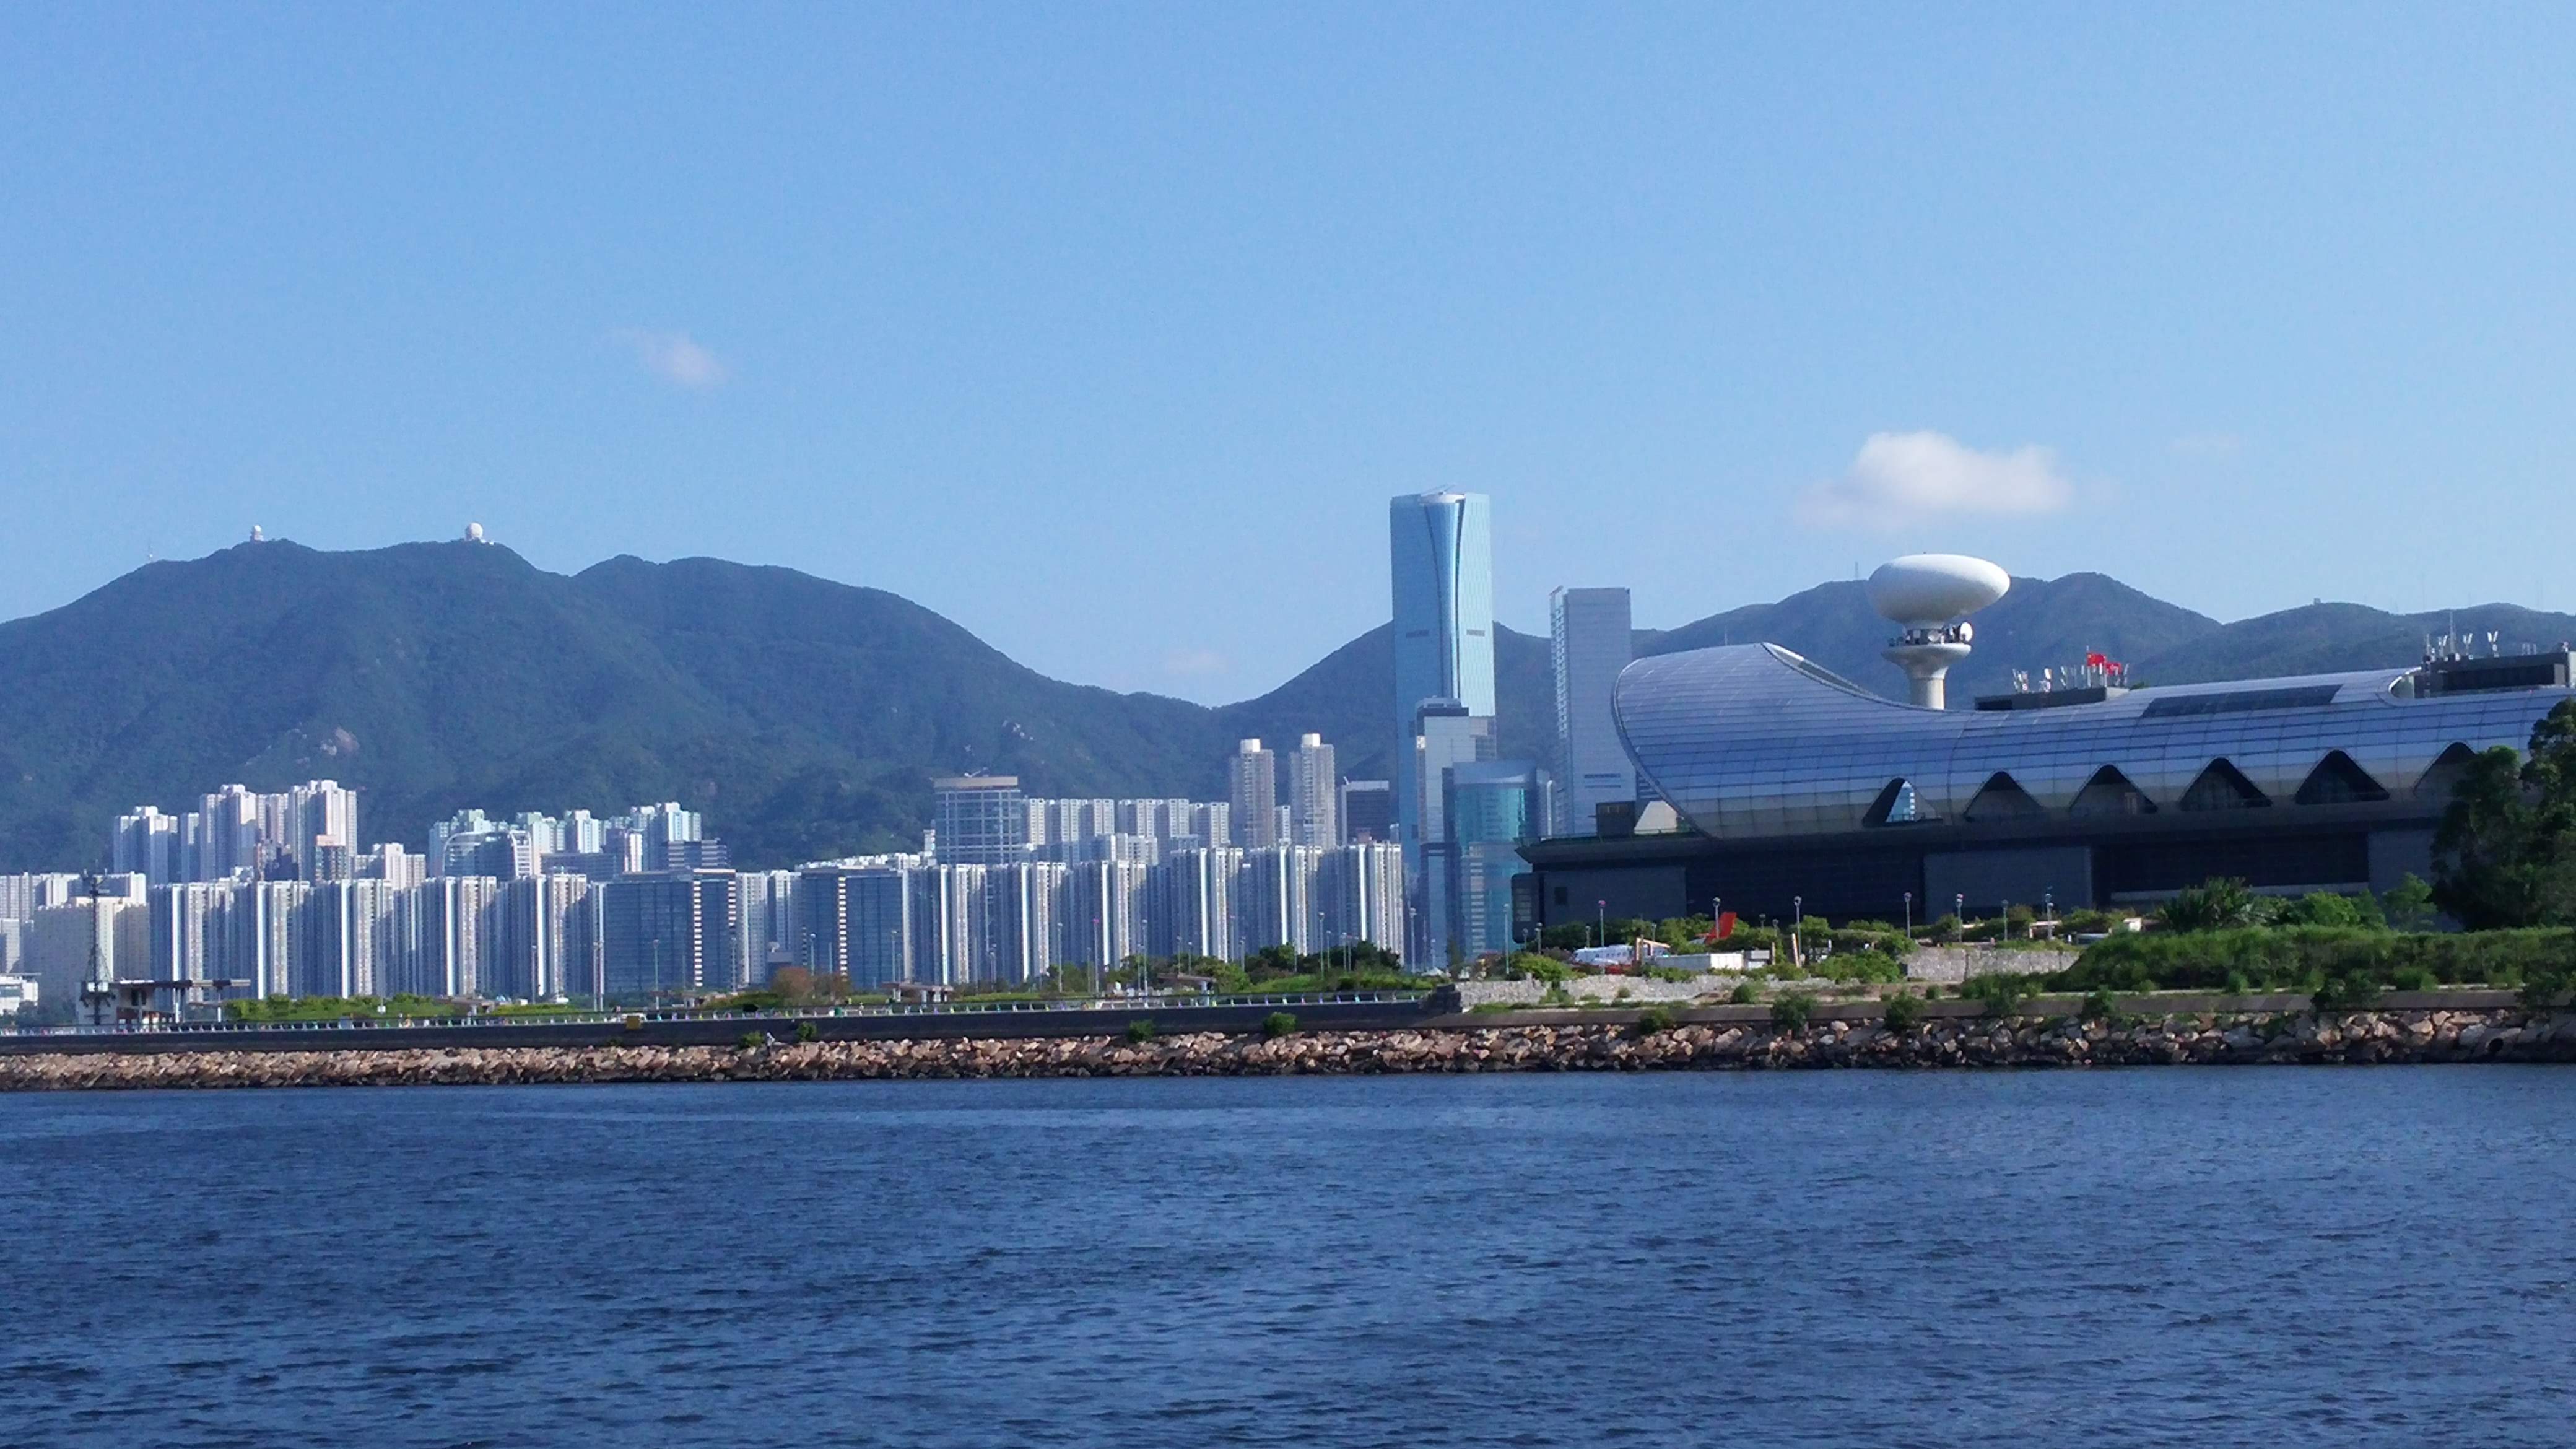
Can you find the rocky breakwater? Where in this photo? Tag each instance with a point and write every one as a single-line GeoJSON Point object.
{"type": "Point", "coordinates": [1987, 1042]}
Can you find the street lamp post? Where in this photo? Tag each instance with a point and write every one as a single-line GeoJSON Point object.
{"type": "Point", "coordinates": [1909, 917]}
{"type": "Point", "coordinates": [1600, 923]}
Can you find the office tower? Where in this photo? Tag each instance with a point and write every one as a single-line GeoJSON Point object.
{"type": "Point", "coordinates": [1314, 804]}
{"type": "Point", "coordinates": [1493, 807]}
{"type": "Point", "coordinates": [1588, 639]}
{"type": "Point", "coordinates": [1445, 736]}
{"type": "Point", "coordinates": [146, 843]}
{"type": "Point", "coordinates": [1252, 790]}
{"type": "Point", "coordinates": [981, 820]}
{"type": "Point", "coordinates": [1367, 810]}
{"type": "Point", "coordinates": [1442, 560]}
{"type": "Point", "coordinates": [666, 935]}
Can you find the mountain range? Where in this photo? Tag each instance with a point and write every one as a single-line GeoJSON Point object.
{"type": "Point", "coordinates": [806, 717]}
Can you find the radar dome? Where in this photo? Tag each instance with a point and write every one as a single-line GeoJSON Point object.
{"type": "Point", "coordinates": [473, 533]}
{"type": "Point", "coordinates": [1933, 588]}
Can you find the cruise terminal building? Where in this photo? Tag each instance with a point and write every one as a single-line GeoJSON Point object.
{"type": "Point", "coordinates": [1797, 788]}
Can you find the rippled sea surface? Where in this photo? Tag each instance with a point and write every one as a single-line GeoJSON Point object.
{"type": "Point", "coordinates": [2330, 1257]}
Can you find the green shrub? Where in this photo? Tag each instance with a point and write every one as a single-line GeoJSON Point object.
{"type": "Point", "coordinates": [1860, 965]}
{"type": "Point", "coordinates": [2099, 1006]}
{"type": "Point", "coordinates": [1903, 1010]}
{"type": "Point", "coordinates": [2003, 992]}
{"type": "Point", "coordinates": [2219, 904]}
{"type": "Point", "coordinates": [1140, 1031]}
{"type": "Point", "coordinates": [2297, 958]}
{"type": "Point", "coordinates": [2546, 989]}
{"type": "Point", "coordinates": [808, 1031]}
{"type": "Point", "coordinates": [2345, 993]}
{"type": "Point", "coordinates": [1278, 1024]}
{"type": "Point", "coordinates": [752, 1041]}
{"type": "Point", "coordinates": [1945, 931]}
{"type": "Point", "coordinates": [2414, 978]}
{"type": "Point", "coordinates": [1791, 1012]}
{"type": "Point", "coordinates": [1743, 994]}
{"type": "Point", "coordinates": [1655, 1019]}
{"type": "Point", "coordinates": [1541, 968]}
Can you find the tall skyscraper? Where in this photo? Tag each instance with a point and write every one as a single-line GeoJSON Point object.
{"type": "Point", "coordinates": [1313, 801]}
{"type": "Point", "coordinates": [981, 820]}
{"type": "Point", "coordinates": [1589, 640]}
{"type": "Point", "coordinates": [1252, 781]}
{"type": "Point", "coordinates": [1441, 552]}
{"type": "Point", "coordinates": [1367, 812]}
{"type": "Point", "coordinates": [1493, 806]}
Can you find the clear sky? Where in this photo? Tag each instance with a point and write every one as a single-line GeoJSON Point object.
{"type": "Point", "coordinates": [1108, 330]}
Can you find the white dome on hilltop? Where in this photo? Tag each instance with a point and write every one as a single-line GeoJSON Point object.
{"type": "Point", "coordinates": [1934, 588]}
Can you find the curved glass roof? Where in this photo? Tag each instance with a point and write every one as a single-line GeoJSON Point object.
{"type": "Point", "coordinates": [1751, 740]}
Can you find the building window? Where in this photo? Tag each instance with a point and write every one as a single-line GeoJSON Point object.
{"type": "Point", "coordinates": [2444, 776]}
{"type": "Point", "coordinates": [1894, 806]}
{"type": "Point", "coordinates": [2338, 781]}
{"type": "Point", "coordinates": [2003, 798]}
{"type": "Point", "coordinates": [2223, 787]}
{"type": "Point", "coordinates": [2110, 793]}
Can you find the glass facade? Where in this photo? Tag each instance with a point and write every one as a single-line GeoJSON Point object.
{"type": "Point", "coordinates": [981, 820]}
{"type": "Point", "coordinates": [1441, 552]}
{"type": "Point", "coordinates": [1492, 808]}
{"type": "Point", "coordinates": [1752, 741]}
{"type": "Point", "coordinates": [1589, 643]}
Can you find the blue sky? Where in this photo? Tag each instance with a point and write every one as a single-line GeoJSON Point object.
{"type": "Point", "coordinates": [1107, 331]}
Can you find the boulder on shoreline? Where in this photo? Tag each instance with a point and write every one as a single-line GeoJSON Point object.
{"type": "Point", "coordinates": [2306, 1038]}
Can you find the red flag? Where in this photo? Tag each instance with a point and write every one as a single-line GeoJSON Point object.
{"type": "Point", "coordinates": [2097, 659]}
{"type": "Point", "coordinates": [1725, 926]}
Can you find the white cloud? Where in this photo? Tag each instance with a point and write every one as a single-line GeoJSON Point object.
{"type": "Point", "coordinates": [1196, 661]}
{"type": "Point", "coordinates": [675, 357]}
{"type": "Point", "coordinates": [1903, 478]}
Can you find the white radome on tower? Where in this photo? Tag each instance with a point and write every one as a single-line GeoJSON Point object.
{"type": "Point", "coordinates": [1924, 589]}
{"type": "Point", "coordinates": [473, 533]}
{"type": "Point", "coordinates": [1924, 593]}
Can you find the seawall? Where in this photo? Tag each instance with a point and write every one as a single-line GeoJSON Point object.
{"type": "Point", "coordinates": [2502, 1034]}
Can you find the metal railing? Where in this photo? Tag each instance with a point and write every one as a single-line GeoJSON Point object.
{"type": "Point", "coordinates": [642, 1015]}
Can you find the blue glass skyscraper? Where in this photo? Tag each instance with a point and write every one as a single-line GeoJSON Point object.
{"type": "Point", "coordinates": [1441, 548]}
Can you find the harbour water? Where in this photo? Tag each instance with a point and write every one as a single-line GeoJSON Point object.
{"type": "Point", "coordinates": [2330, 1257]}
